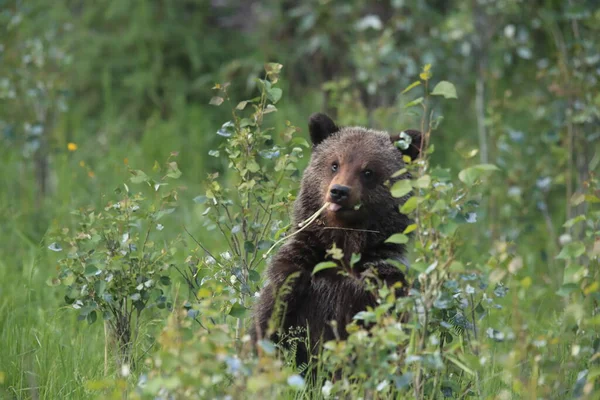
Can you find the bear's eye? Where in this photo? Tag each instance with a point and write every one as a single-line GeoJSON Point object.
{"type": "Point", "coordinates": [334, 166]}
{"type": "Point", "coordinates": [367, 173]}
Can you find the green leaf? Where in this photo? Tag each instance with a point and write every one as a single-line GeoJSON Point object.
{"type": "Point", "coordinates": [264, 244]}
{"type": "Point", "coordinates": [69, 279]}
{"type": "Point", "coordinates": [423, 182]}
{"type": "Point", "coordinates": [410, 228]}
{"type": "Point", "coordinates": [216, 101]}
{"type": "Point", "coordinates": [571, 250]}
{"type": "Point", "coordinates": [253, 275]}
{"type": "Point", "coordinates": [253, 166]}
{"type": "Point", "coordinates": [411, 86]}
{"type": "Point", "coordinates": [439, 205]}
{"type": "Point", "coordinates": [92, 317]}
{"type": "Point", "coordinates": [274, 94]}
{"type": "Point", "coordinates": [415, 102]}
{"type": "Point", "coordinates": [241, 105]}
{"type": "Point", "coordinates": [470, 175]}
{"type": "Point", "coordinates": [577, 199]}
{"type": "Point", "coordinates": [249, 246]}
{"type": "Point", "coordinates": [323, 265]}
{"type": "Point", "coordinates": [401, 188]}
{"type": "Point", "coordinates": [399, 172]}
{"type": "Point", "coordinates": [138, 176]}
{"type": "Point", "coordinates": [91, 270]}
{"type": "Point", "coordinates": [300, 141]}
{"type": "Point", "coordinates": [100, 287]}
{"type": "Point", "coordinates": [238, 311]}
{"type": "Point", "coordinates": [398, 238]}
{"type": "Point", "coordinates": [174, 171]}
{"type": "Point", "coordinates": [165, 280]}
{"type": "Point", "coordinates": [566, 289]}
{"type": "Point", "coordinates": [449, 228]}
{"type": "Point", "coordinates": [573, 221]}
{"type": "Point", "coordinates": [269, 109]}
{"type": "Point", "coordinates": [460, 364]}
{"type": "Point", "coordinates": [456, 266]}
{"type": "Point", "coordinates": [409, 206]}
{"type": "Point", "coordinates": [162, 213]}
{"type": "Point", "coordinates": [592, 198]}
{"type": "Point", "coordinates": [200, 199]}
{"type": "Point", "coordinates": [354, 259]}
{"type": "Point", "coordinates": [446, 89]}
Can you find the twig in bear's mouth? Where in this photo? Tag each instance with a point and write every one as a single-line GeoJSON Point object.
{"type": "Point", "coordinates": [350, 229]}
{"type": "Point", "coordinates": [303, 225]}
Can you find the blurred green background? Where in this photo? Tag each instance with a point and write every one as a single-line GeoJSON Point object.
{"type": "Point", "coordinates": [90, 88]}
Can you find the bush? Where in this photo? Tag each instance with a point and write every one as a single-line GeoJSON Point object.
{"type": "Point", "coordinates": [118, 262]}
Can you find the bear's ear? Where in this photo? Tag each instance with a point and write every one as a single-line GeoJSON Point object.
{"type": "Point", "coordinates": [409, 142]}
{"type": "Point", "coordinates": [320, 127]}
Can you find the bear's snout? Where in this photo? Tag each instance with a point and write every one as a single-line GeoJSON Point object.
{"type": "Point", "coordinates": [339, 193]}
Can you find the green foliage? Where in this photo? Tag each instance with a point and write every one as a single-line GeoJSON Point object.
{"type": "Point", "coordinates": [88, 89]}
{"type": "Point", "coordinates": [250, 208]}
{"type": "Point", "coordinates": [116, 262]}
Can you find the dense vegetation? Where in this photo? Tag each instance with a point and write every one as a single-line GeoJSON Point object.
{"type": "Point", "coordinates": [150, 153]}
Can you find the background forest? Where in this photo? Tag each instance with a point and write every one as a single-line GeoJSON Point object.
{"type": "Point", "coordinates": [150, 152]}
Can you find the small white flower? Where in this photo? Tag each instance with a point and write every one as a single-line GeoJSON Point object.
{"type": "Point", "coordinates": [382, 385]}
{"type": "Point", "coordinates": [564, 239]}
{"type": "Point", "coordinates": [509, 31]}
{"type": "Point", "coordinates": [125, 370]}
{"type": "Point", "coordinates": [209, 260]}
{"type": "Point", "coordinates": [326, 389]}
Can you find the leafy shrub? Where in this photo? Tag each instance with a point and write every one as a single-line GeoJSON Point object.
{"type": "Point", "coordinates": [250, 207]}
{"type": "Point", "coordinates": [118, 261]}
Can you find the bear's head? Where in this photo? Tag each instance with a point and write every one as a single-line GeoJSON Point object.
{"type": "Point", "coordinates": [352, 168]}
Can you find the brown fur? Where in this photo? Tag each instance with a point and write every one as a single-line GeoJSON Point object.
{"type": "Point", "coordinates": [313, 301]}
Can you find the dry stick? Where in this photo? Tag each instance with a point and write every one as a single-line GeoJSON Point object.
{"type": "Point", "coordinates": [201, 246]}
{"type": "Point", "coordinates": [303, 225]}
{"type": "Point", "coordinates": [350, 229]}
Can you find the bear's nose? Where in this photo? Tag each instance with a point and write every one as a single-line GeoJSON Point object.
{"type": "Point", "coordinates": [339, 192]}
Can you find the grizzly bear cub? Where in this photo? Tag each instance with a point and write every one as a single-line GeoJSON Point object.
{"type": "Point", "coordinates": [351, 168]}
